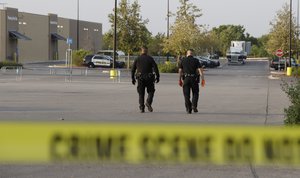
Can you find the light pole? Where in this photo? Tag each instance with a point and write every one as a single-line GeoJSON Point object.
{"type": "Point", "coordinates": [297, 30]}
{"type": "Point", "coordinates": [77, 36]}
{"type": "Point", "coordinates": [168, 24]}
{"type": "Point", "coordinates": [290, 53]}
{"type": "Point", "coordinates": [115, 35]}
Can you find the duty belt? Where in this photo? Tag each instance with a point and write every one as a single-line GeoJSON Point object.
{"type": "Point", "coordinates": [144, 74]}
{"type": "Point", "coordinates": [190, 75]}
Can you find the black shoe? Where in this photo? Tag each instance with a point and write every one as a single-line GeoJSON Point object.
{"type": "Point", "coordinates": [189, 111]}
{"type": "Point", "coordinates": [150, 109]}
{"type": "Point", "coordinates": [195, 110]}
{"type": "Point", "coordinates": [142, 109]}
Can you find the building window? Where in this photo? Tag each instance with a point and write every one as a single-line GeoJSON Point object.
{"type": "Point", "coordinates": [22, 23]}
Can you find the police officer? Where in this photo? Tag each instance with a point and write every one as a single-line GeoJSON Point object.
{"type": "Point", "coordinates": [142, 70]}
{"type": "Point", "coordinates": [190, 70]}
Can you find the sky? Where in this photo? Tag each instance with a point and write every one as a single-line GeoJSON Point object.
{"type": "Point", "coordinates": [254, 15]}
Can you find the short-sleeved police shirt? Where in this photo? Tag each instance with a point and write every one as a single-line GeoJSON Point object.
{"type": "Point", "coordinates": [190, 65]}
{"type": "Point", "coordinates": [144, 64]}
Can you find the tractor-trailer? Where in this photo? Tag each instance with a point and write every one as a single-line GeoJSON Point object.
{"type": "Point", "coordinates": [238, 51]}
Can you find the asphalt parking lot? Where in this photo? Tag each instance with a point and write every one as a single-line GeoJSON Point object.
{"type": "Point", "coordinates": [234, 94]}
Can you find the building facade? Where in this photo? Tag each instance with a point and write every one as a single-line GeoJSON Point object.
{"type": "Point", "coordinates": [26, 37]}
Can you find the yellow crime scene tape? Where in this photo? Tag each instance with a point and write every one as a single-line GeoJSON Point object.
{"type": "Point", "coordinates": [144, 143]}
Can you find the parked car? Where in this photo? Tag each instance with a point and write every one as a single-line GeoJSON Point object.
{"type": "Point", "coordinates": [97, 60]}
{"type": "Point", "coordinates": [206, 62]}
{"type": "Point", "coordinates": [120, 55]}
{"type": "Point", "coordinates": [294, 62]}
{"type": "Point", "coordinates": [213, 56]}
{"type": "Point", "coordinates": [275, 64]}
{"type": "Point", "coordinates": [215, 62]}
{"type": "Point", "coordinates": [280, 63]}
{"type": "Point", "coordinates": [111, 52]}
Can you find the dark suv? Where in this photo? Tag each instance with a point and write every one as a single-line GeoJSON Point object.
{"type": "Point", "coordinates": [280, 63]}
{"type": "Point", "coordinates": [276, 65]}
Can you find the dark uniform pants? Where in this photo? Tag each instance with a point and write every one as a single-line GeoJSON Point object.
{"type": "Point", "coordinates": [142, 85]}
{"type": "Point", "coordinates": [191, 83]}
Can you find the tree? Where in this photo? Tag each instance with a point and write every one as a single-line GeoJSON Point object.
{"type": "Point", "coordinates": [280, 33]}
{"type": "Point", "coordinates": [132, 32]}
{"type": "Point", "coordinates": [188, 12]}
{"type": "Point", "coordinates": [185, 33]}
{"type": "Point", "coordinates": [227, 33]}
{"type": "Point", "coordinates": [209, 44]}
{"type": "Point", "coordinates": [156, 44]}
{"type": "Point", "coordinates": [108, 40]}
{"type": "Point", "coordinates": [253, 40]}
{"type": "Point", "coordinates": [259, 47]}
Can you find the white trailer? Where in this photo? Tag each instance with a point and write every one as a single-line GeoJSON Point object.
{"type": "Point", "coordinates": [238, 51]}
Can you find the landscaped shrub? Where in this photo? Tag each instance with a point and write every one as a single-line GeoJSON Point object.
{"type": "Point", "coordinates": [78, 56]}
{"type": "Point", "coordinates": [168, 68]}
{"type": "Point", "coordinates": [292, 113]}
{"type": "Point", "coordinates": [10, 64]}
{"type": "Point", "coordinates": [296, 71]}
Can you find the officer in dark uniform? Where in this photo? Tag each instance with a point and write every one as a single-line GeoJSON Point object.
{"type": "Point", "coordinates": [142, 70]}
{"type": "Point", "coordinates": [190, 70]}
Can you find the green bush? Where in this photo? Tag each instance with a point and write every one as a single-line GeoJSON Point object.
{"type": "Point", "coordinates": [296, 71]}
{"type": "Point", "coordinates": [292, 113]}
{"type": "Point", "coordinates": [78, 56]}
{"type": "Point", "coordinates": [168, 68]}
{"type": "Point", "coordinates": [12, 64]}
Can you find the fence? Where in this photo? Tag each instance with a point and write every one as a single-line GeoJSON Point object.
{"type": "Point", "coordinates": [54, 71]}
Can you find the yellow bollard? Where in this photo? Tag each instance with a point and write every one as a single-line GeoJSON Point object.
{"type": "Point", "coordinates": [289, 71]}
{"type": "Point", "coordinates": [113, 73]}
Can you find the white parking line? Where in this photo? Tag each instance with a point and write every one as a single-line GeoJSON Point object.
{"type": "Point", "coordinates": [271, 77]}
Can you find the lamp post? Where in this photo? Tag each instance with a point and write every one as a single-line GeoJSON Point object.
{"type": "Point", "coordinates": [297, 30]}
{"type": "Point", "coordinates": [290, 53]}
{"type": "Point", "coordinates": [77, 37]}
{"type": "Point", "coordinates": [115, 35]}
{"type": "Point", "coordinates": [168, 24]}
